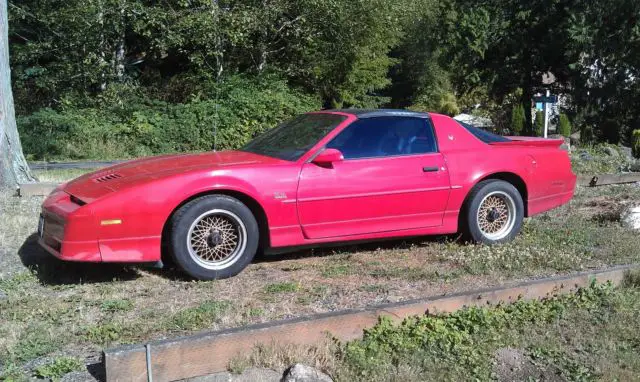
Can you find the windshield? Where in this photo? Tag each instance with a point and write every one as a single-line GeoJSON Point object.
{"type": "Point", "coordinates": [292, 139]}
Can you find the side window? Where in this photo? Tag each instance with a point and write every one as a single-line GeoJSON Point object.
{"type": "Point", "coordinates": [385, 136]}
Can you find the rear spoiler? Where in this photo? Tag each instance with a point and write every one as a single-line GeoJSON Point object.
{"type": "Point", "coordinates": [530, 141]}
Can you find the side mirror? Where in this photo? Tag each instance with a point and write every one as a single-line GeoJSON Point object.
{"type": "Point", "coordinates": [327, 157]}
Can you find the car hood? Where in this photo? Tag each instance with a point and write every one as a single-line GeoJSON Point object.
{"type": "Point", "coordinates": [127, 174]}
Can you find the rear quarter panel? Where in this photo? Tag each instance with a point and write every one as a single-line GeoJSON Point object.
{"type": "Point", "coordinates": [545, 171]}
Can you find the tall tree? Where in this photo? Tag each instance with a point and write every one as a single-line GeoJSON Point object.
{"type": "Point", "coordinates": [13, 166]}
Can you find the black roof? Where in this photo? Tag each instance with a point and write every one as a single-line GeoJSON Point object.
{"type": "Point", "coordinates": [371, 113]}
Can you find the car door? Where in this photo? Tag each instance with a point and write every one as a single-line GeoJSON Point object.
{"type": "Point", "coordinates": [392, 178]}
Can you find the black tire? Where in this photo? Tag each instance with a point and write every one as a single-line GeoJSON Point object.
{"type": "Point", "coordinates": [485, 194]}
{"type": "Point", "coordinates": [204, 228]}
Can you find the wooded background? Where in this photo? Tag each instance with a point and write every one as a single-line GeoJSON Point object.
{"type": "Point", "coordinates": [124, 78]}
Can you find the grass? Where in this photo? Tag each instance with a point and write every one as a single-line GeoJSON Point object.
{"type": "Point", "coordinates": [592, 335]}
{"type": "Point", "coordinates": [58, 368]}
{"type": "Point", "coordinates": [59, 175]}
{"type": "Point", "coordinates": [117, 305]}
{"type": "Point", "coordinates": [202, 316]}
{"type": "Point", "coordinates": [56, 309]}
{"type": "Point", "coordinates": [283, 287]}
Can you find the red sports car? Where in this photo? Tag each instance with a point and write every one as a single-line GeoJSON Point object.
{"type": "Point", "coordinates": [329, 176]}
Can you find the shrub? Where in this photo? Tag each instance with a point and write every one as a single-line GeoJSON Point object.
{"type": "Point", "coordinates": [538, 125]}
{"type": "Point", "coordinates": [635, 143]}
{"type": "Point", "coordinates": [517, 119]}
{"type": "Point", "coordinates": [564, 126]}
{"type": "Point", "coordinates": [239, 108]}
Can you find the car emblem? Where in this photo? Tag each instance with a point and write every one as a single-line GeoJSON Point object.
{"type": "Point", "coordinates": [451, 137]}
{"type": "Point", "coordinates": [279, 195]}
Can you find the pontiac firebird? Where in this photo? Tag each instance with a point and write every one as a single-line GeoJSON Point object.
{"type": "Point", "coordinates": [328, 176]}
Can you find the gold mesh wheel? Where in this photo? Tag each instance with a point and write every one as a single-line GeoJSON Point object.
{"type": "Point", "coordinates": [496, 215]}
{"type": "Point", "coordinates": [216, 239]}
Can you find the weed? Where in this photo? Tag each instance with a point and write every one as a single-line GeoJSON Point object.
{"type": "Point", "coordinates": [202, 316]}
{"type": "Point", "coordinates": [118, 305]}
{"type": "Point", "coordinates": [12, 373]}
{"type": "Point", "coordinates": [283, 287]}
{"type": "Point", "coordinates": [632, 279]}
{"type": "Point", "coordinates": [337, 270]}
{"type": "Point", "coordinates": [36, 341]}
{"type": "Point", "coordinates": [569, 367]}
{"type": "Point", "coordinates": [462, 343]}
{"type": "Point", "coordinates": [292, 267]}
{"type": "Point", "coordinates": [406, 273]}
{"type": "Point", "coordinates": [105, 334]}
{"type": "Point", "coordinates": [374, 288]}
{"type": "Point", "coordinates": [254, 312]}
{"type": "Point", "coordinates": [17, 282]}
{"type": "Point", "coordinates": [58, 368]}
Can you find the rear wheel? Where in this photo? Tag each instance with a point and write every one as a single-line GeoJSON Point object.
{"type": "Point", "coordinates": [494, 212]}
{"type": "Point", "coordinates": [214, 237]}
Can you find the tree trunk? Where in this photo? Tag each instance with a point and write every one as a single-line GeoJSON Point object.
{"type": "Point", "coordinates": [103, 60]}
{"type": "Point", "coordinates": [120, 48]}
{"type": "Point", "coordinates": [13, 166]}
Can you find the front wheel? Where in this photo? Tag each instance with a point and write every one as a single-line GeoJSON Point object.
{"type": "Point", "coordinates": [494, 212]}
{"type": "Point", "coordinates": [213, 237]}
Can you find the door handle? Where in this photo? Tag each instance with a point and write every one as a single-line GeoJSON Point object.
{"type": "Point", "coordinates": [430, 169]}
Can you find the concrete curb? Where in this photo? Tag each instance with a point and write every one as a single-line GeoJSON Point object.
{"type": "Point", "coordinates": [71, 165]}
{"type": "Point", "coordinates": [36, 189]}
{"type": "Point", "coordinates": [607, 179]}
{"type": "Point", "coordinates": [210, 352]}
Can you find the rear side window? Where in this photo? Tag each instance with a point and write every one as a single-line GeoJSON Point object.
{"type": "Point", "coordinates": [483, 135]}
{"type": "Point", "coordinates": [385, 136]}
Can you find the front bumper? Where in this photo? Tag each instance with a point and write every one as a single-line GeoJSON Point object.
{"type": "Point", "coordinates": [51, 230]}
{"type": "Point", "coordinates": [70, 232]}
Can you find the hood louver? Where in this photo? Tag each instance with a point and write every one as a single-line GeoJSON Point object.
{"type": "Point", "coordinates": [107, 177]}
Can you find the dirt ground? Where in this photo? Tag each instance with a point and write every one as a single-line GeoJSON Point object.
{"type": "Point", "coordinates": [104, 305]}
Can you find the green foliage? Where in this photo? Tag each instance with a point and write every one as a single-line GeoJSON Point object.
{"type": "Point", "coordinates": [538, 124]}
{"type": "Point", "coordinates": [564, 126]}
{"type": "Point", "coordinates": [337, 270]}
{"type": "Point", "coordinates": [456, 343]}
{"type": "Point", "coordinates": [119, 305]}
{"type": "Point", "coordinates": [11, 372]}
{"type": "Point", "coordinates": [635, 143]}
{"type": "Point", "coordinates": [283, 287]}
{"type": "Point", "coordinates": [37, 341]}
{"type": "Point", "coordinates": [589, 160]}
{"type": "Point", "coordinates": [517, 119]}
{"type": "Point", "coordinates": [199, 317]}
{"type": "Point", "coordinates": [58, 368]}
{"type": "Point", "coordinates": [105, 334]}
{"type": "Point", "coordinates": [138, 125]}
{"type": "Point", "coordinates": [124, 78]}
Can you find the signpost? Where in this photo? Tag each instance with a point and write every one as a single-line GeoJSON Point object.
{"type": "Point", "coordinates": [546, 100]}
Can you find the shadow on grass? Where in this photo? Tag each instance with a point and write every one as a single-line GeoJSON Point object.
{"type": "Point", "coordinates": [51, 271]}
{"type": "Point", "coordinates": [347, 248]}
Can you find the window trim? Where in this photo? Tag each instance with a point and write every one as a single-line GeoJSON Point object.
{"type": "Point", "coordinates": [427, 121]}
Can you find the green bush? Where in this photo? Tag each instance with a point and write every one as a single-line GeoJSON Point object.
{"type": "Point", "coordinates": [564, 126]}
{"type": "Point", "coordinates": [240, 107]}
{"type": "Point", "coordinates": [538, 124]}
{"type": "Point", "coordinates": [635, 143]}
{"type": "Point", "coordinates": [517, 119]}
